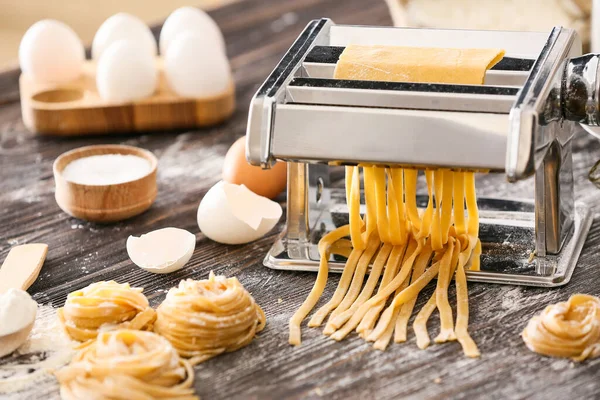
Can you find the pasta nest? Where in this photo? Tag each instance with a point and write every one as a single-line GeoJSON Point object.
{"type": "Point", "coordinates": [205, 318]}
{"type": "Point", "coordinates": [105, 306]}
{"type": "Point", "coordinates": [127, 365]}
{"type": "Point", "coordinates": [566, 329]}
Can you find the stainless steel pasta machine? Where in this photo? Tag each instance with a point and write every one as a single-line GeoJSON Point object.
{"type": "Point", "coordinates": [521, 122]}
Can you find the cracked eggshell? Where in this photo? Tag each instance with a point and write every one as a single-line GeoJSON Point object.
{"type": "Point", "coordinates": [162, 251]}
{"type": "Point", "coordinates": [233, 214]}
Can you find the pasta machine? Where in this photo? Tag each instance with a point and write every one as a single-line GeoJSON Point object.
{"type": "Point", "coordinates": [520, 122]}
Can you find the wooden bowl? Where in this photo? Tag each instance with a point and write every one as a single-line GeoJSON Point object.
{"type": "Point", "coordinates": [105, 203]}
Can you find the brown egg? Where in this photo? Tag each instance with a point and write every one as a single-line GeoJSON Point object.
{"type": "Point", "coordinates": [265, 182]}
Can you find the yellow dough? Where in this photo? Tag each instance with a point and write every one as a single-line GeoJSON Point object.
{"type": "Point", "coordinates": [205, 318]}
{"type": "Point", "coordinates": [416, 64]}
{"type": "Point", "coordinates": [567, 329]}
{"type": "Point", "coordinates": [105, 306]}
{"type": "Point", "coordinates": [325, 245]}
{"type": "Point", "coordinates": [127, 365]}
{"type": "Point", "coordinates": [406, 247]}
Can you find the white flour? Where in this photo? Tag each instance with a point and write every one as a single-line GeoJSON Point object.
{"type": "Point", "coordinates": [106, 169]}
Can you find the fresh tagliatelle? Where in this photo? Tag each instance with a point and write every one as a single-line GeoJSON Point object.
{"type": "Point", "coordinates": [105, 306]}
{"type": "Point", "coordinates": [127, 365]}
{"type": "Point", "coordinates": [205, 318]}
{"type": "Point", "coordinates": [405, 248]}
{"type": "Point", "coordinates": [567, 329]}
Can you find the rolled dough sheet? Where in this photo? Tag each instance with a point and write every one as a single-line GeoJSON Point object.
{"type": "Point", "coordinates": [416, 64]}
{"type": "Point", "coordinates": [22, 266]}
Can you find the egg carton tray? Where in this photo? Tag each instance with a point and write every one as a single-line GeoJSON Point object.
{"type": "Point", "coordinates": [76, 108]}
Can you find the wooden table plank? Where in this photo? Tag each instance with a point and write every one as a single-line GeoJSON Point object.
{"type": "Point", "coordinates": [257, 33]}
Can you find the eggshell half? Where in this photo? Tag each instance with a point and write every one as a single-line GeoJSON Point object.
{"type": "Point", "coordinates": [162, 251]}
{"type": "Point", "coordinates": [233, 214]}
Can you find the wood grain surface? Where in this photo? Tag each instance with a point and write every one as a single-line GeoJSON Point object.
{"type": "Point", "coordinates": [258, 32]}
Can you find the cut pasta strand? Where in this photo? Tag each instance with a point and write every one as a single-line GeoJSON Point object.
{"type": "Point", "coordinates": [448, 265]}
{"type": "Point", "coordinates": [380, 198]}
{"type": "Point", "coordinates": [370, 202]}
{"type": "Point", "coordinates": [382, 339]}
{"type": "Point", "coordinates": [410, 176]}
{"type": "Point", "coordinates": [397, 175]}
{"type": "Point", "coordinates": [401, 328]}
{"type": "Point", "coordinates": [368, 289]}
{"type": "Point", "coordinates": [368, 322]}
{"type": "Point", "coordinates": [384, 323]}
{"type": "Point", "coordinates": [317, 290]}
{"type": "Point", "coordinates": [420, 323]}
{"type": "Point", "coordinates": [407, 308]}
{"type": "Point", "coordinates": [462, 314]}
{"type": "Point", "coordinates": [353, 200]}
{"type": "Point", "coordinates": [340, 291]}
{"type": "Point", "coordinates": [436, 225]}
{"type": "Point", "coordinates": [397, 234]}
{"type": "Point", "coordinates": [351, 280]}
{"type": "Point", "coordinates": [359, 275]}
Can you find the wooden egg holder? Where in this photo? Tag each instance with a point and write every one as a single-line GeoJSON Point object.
{"type": "Point", "coordinates": [76, 108]}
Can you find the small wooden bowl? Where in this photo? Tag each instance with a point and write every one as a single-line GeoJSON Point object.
{"type": "Point", "coordinates": [105, 203]}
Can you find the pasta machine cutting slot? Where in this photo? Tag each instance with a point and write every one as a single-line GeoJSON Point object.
{"type": "Point", "coordinates": [520, 122]}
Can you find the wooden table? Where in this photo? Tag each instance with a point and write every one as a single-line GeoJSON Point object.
{"type": "Point", "coordinates": [258, 32]}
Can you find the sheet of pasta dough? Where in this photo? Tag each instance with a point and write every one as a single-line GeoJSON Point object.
{"type": "Point", "coordinates": [416, 64]}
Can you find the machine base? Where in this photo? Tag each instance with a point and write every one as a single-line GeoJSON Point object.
{"type": "Point", "coordinates": [506, 233]}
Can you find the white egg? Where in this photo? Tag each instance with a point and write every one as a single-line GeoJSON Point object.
{"type": "Point", "coordinates": [51, 52]}
{"type": "Point", "coordinates": [162, 251]}
{"type": "Point", "coordinates": [233, 214]}
{"type": "Point", "coordinates": [126, 72]}
{"type": "Point", "coordinates": [189, 20]}
{"type": "Point", "coordinates": [123, 26]}
{"type": "Point", "coordinates": [194, 67]}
